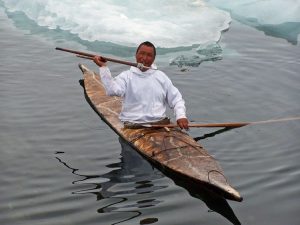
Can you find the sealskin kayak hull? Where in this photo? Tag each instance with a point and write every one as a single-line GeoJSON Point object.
{"type": "Point", "coordinates": [173, 151]}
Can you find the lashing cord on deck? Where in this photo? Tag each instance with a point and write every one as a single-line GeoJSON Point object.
{"type": "Point", "coordinates": [164, 149]}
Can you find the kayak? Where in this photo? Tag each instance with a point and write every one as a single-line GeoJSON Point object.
{"type": "Point", "coordinates": [171, 150]}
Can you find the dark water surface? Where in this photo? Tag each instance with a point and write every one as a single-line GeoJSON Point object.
{"type": "Point", "coordinates": [60, 164]}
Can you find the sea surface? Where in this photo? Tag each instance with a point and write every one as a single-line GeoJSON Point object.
{"type": "Point", "coordinates": [60, 164]}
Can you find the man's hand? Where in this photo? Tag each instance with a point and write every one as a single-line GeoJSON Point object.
{"type": "Point", "coordinates": [99, 61]}
{"type": "Point", "coordinates": [183, 123]}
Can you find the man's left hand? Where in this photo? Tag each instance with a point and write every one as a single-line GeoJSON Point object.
{"type": "Point", "coordinates": [183, 123]}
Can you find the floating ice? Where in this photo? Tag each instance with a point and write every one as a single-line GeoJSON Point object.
{"type": "Point", "coordinates": [278, 18]}
{"type": "Point", "coordinates": [168, 24]}
{"type": "Point", "coordinates": [205, 52]}
{"type": "Point", "coordinates": [263, 11]}
{"type": "Point", "coordinates": [117, 26]}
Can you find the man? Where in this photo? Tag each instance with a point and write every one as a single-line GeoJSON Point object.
{"type": "Point", "coordinates": [146, 91]}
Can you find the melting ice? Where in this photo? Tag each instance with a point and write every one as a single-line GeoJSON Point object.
{"type": "Point", "coordinates": [168, 24]}
{"type": "Point", "coordinates": [278, 18]}
{"type": "Point", "coordinates": [116, 26]}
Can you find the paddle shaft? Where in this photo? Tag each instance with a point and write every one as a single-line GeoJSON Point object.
{"type": "Point", "coordinates": [228, 125]}
{"type": "Point", "coordinates": [91, 56]}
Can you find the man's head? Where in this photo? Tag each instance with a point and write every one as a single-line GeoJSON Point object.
{"type": "Point", "coordinates": [145, 53]}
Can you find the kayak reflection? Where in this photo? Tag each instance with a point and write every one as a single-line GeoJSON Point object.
{"type": "Point", "coordinates": [134, 175]}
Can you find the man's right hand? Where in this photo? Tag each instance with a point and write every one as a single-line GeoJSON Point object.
{"type": "Point", "coordinates": [99, 61]}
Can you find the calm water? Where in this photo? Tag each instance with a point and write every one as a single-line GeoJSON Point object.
{"type": "Point", "coordinates": [60, 164]}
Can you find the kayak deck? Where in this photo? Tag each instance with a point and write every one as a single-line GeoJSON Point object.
{"type": "Point", "coordinates": [173, 150]}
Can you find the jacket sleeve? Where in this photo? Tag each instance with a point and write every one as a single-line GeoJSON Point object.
{"type": "Point", "coordinates": [113, 86]}
{"type": "Point", "coordinates": [175, 101]}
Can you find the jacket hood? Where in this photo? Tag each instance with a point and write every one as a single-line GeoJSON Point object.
{"type": "Point", "coordinates": [148, 72]}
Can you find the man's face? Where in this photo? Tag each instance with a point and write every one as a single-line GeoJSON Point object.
{"type": "Point", "coordinates": [145, 55]}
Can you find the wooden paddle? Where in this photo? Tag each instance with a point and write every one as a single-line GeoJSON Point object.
{"type": "Point", "coordinates": [198, 125]}
{"type": "Point", "coordinates": [91, 56]}
{"type": "Point", "coordinates": [227, 125]}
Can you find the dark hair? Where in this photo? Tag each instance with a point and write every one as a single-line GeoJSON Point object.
{"type": "Point", "coordinates": [149, 44]}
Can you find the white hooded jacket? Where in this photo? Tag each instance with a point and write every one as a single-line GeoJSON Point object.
{"type": "Point", "coordinates": [146, 94]}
